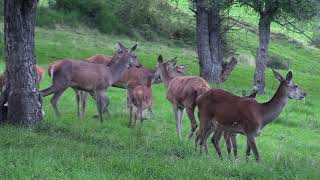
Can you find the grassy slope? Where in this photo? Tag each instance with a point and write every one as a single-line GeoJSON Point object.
{"type": "Point", "coordinates": [82, 149]}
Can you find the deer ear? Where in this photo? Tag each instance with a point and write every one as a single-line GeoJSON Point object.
{"type": "Point", "coordinates": [121, 47]}
{"type": "Point", "coordinates": [173, 61]}
{"type": "Point", "coordinates": [289, 76]}
{"type": "Point", "coordinates": [160, 59]}
{"type": "Point", "coordinates": [134, 47]}
{"type": "Point", "coordinates": [277, 75]}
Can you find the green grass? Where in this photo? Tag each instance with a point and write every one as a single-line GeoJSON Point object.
{"type": "Point", "coordinates": [71, 148]}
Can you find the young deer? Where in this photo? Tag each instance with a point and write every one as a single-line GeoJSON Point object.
{"type": "Point", "coordinates": [182, 92]}
{"type": "Point", "coordinates": [90, 77]}
{"type": "Point", "coordinates": [227, 112]}
{"type": "Point", "coordinates": [139, 96]}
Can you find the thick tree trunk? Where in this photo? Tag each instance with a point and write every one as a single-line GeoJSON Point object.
{"type": "Point", "coordinates": [215, 41]}
{"type": "Point", "coordinates": [203, 45]}
{"type": "Point", "coordinates": [262, 52]}
{"type": "Point", "coordinates": [24, 101]}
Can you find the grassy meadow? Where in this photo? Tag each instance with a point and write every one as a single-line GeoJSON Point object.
{"type": "Point", "coordinates": [73, 148]}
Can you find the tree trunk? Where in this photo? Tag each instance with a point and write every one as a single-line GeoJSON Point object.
{"type": "Point", "coordinates": [24, 101]}
{"type": "Point", "coordinates": [262, 52]}
{"type": "Point", "coordinates": [215, 41]}
{"type": "Point", "coordinates": [203, 45]}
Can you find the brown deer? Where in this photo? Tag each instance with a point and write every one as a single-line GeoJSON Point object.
{"type": "Point", "coordinates": [228, 112]}
{"type": "Point", "coordinates": [230, 138]}
{"type": "Point", "coordinates": [139, 96]}
{"type": "Point", "coordinates": [133, 76]}
{"type": "Point", "coordinates": [90, 77]}
{"type": "Point", "coordinates": [182, 92]}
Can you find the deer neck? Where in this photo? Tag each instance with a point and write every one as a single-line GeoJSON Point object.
{"type": "Point", "coordinates": [118, 68]}
{"type": "Point", "coordinates": [274, 107]}
{"type": "Point", "coordinates": [165, 75]}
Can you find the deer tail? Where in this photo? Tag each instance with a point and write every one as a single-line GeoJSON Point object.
{"type": "Point", "coordinates": [51, 71]}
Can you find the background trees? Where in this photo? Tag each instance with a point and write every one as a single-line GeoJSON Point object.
{"type": "Point", "coordinates": [285, 12]}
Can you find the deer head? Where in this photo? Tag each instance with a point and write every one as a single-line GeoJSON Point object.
{"type": "Point", "coordinates": [170, 65]}
{"type": "Point", "coordinates": [133, 60]}
{"type": "Point", "coordinates": [291, 89]}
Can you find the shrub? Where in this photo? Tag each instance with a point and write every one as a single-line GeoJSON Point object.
{"type": "Point", "coordinates": [277, 62]}
{"type": "Point", "coordinates": [147, 18]}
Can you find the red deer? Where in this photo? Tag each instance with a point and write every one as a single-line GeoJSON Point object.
{"type": "Point", "coordinates": [89, 77]}
{"type": "Point", "coordinates": [131, 77]}
{"type": "Point", "coordinates": [230, 138]}
{"type": "Point", "coordinates": [228, 112]}
{"type": "Point", "coordinates": [139, 96]}
{"type": "Point", "coordinates": [182, 92]}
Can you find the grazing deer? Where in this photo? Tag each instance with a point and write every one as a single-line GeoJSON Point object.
{"type": "Point", "coordinates": [182, 92]}
{"type": "Point", "coordinates": [89, 77]}
{"type": "Point", "coordinates": [228, 112]}
{"type": "Point", "coordinates": [139, 96]}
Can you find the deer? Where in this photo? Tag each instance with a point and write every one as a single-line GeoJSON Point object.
{"type": "Point", "coordinates": [140, 97]}
{"type": "Point", "coordinates": [182, 92]}
{"type": "Point", "coordinates": [228, 112]}
{"type": "Point", "coordinates": [92, 78]}
{"type": "Point", "coordinates": [230, 138]}
{"type": "Point", "coordinates": [132, 77]}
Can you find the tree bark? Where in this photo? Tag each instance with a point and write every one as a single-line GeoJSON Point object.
{"type": "Point", "coordinates": [215, 41]}
{"type": "Point", "coordinates": [24, 101]}
{"type": "Point", "coordinates": [262, 52]}
{"type": "Point", "coordinates": [203, 45]}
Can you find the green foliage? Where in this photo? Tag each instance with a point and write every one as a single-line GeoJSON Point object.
{"type": "Point", "coordinates": [148, 19]}
{"type": "Point", "coordinates": [277, 62]}
{"type": "Point", "coordinates": [316, 35]}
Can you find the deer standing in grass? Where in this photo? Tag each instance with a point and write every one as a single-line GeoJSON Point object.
{"type": "Point", "coordinates": [228, 112]}
{"type": "Point", "coordinates": [229, 137]}
{"type": "Point", "coordinates": [90, 77]}
{"type": "Point", "coordinates": [132, 77]}
{"type": "Point", "coordinates": [182, 92]}
{"type": "Point", "coordinates": [140, 97]}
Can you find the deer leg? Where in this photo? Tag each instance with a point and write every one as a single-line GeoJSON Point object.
{"type": "Point", "coordinates": [84, 102]}
{"type": "Point", "coordinates": [78, 95]}
{"type": "Point", "coordinates": [178, 124]}
{"type": "Point", "coordinates": [105, 110]}
{"type": "Point", "coordinates": [128, 102]}
{"type": "Point", "coordinates": [215, 141]}
{"type": "Point", "coordinates": [140, 113]}
{"type": "Point", "coordinates": [135, 117]}
{"type": "Point", "coordinates": [233, 138]}
{"type": "Point", "coordinates": [54, 101]}
{"type": "Point", "coordinates": [252, 143]}
{"type": "Point", "coordinates": [130, 116]}
{"type": "Point", "coordinates": [190, 112]}
{"type": "Point", "coordinates": [100, 103]}
{"type": "Point", "coordinates": [227, 137]}
{"type": "Point", "coordinates": [50, 90]}
{"type": "Point", "coordinates": [248, 150]}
